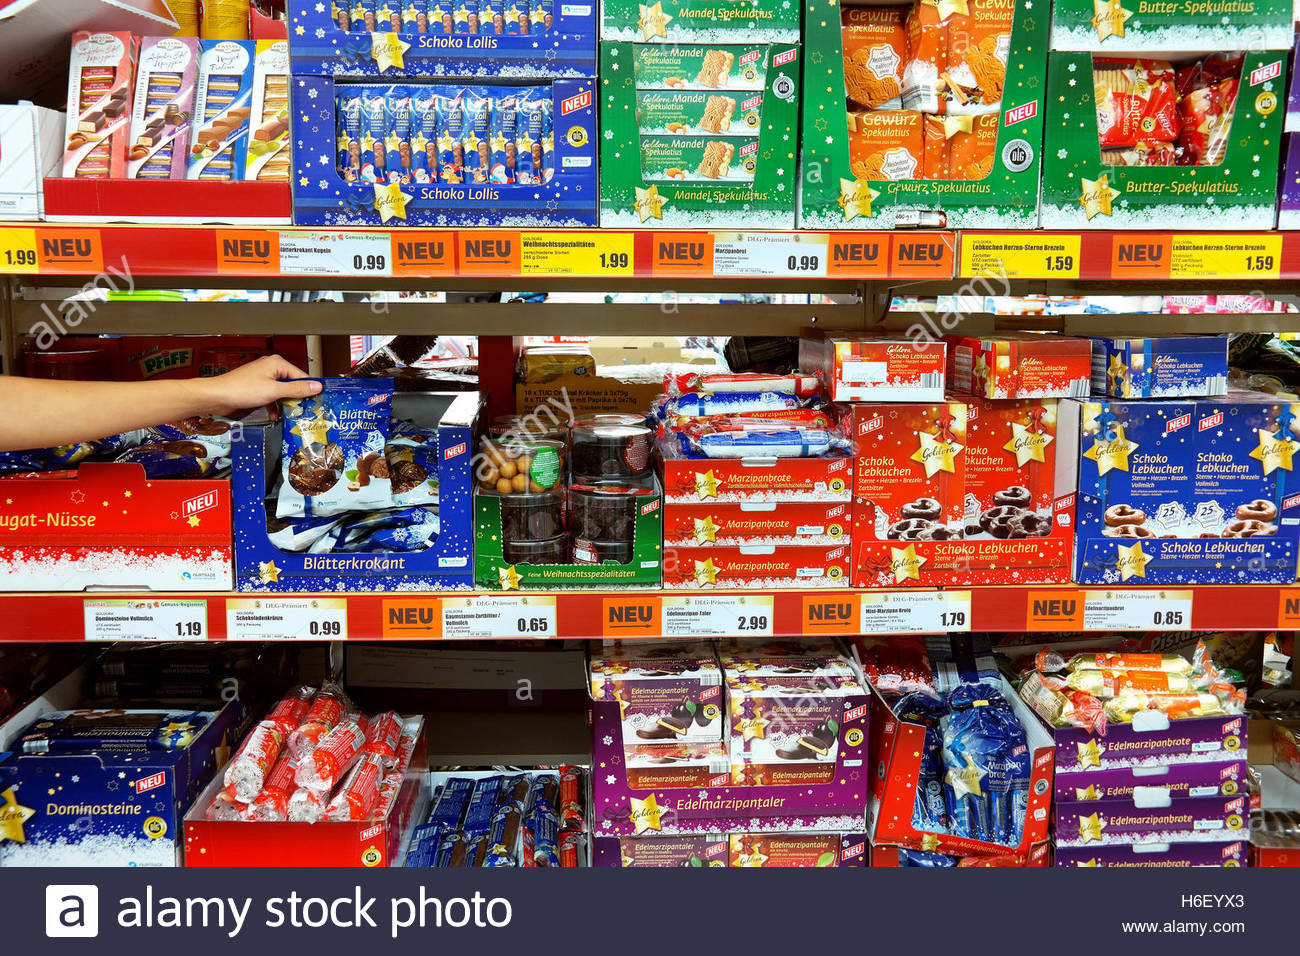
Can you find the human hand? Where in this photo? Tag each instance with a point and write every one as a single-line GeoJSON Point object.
{"type": "Point", "coordinates": [258, 383]}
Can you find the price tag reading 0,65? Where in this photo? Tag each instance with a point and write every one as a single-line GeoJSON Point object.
{"type": "Point", "coordinates": [499, 617]}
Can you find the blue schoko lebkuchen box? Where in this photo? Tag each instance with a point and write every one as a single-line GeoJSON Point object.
{"type": "Point", "coordinates": [1166, 366]}
{"type": "Point", "coordinates": [1196, 492]}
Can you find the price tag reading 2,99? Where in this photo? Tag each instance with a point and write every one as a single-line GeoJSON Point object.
{"type": "Point", "coordinates": [286, 619]}
{"type": "Point", "coordinates": [1137, 610]}
{"type": "Point", "coordinates": [526, 615]}
{"type": "Point", "coordinates": [146, 620]}
{"type": "Point", "coordinates": [717, 615]}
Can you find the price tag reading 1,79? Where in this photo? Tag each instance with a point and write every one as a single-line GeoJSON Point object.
{"type": "Point", "coordinates": [770, 254]}
{"type": "Point", "coordinates": [286, 619]}
{"type": "Point", "coordinates": [915, 612]}
{"type": "Point", "coordinates": [1137, 610]}
{"type": "Point", "coordinates": [136, 620]}
{"type": "Point", "coordinates": [498, 617]}
{"type": "Point", "coordinates": [717, 615]}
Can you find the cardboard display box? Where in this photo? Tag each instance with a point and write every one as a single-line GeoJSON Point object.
{"type": "Point", "coordinates": [447, 565]}
{"type": "Point", "coordinates": [31, 141]}
{"type": "Point", "coordinates": [1131, 26]}
{"type": "Point", "coordinates": [887, 855]}
{"type": "Point", "coordinates": [856, 175]}
{"type": "Point", "coordinates": [756, 566]}
{"type": "Point", "coordinates": [1083, 190]}
{"type": "Point", "coordinates": [735, 849]}
{"type": "Point", "coordinates": [680, 22]}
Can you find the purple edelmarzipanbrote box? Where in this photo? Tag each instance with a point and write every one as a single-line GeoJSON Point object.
{"type": "Point", "coordinates": [1155, 855]}
{"type": "Point", "coordinates": [1207, 819]}
{"type": "Point", "coordinates": [1292, 122]}
{"type": "Point", "coordinates": [1191, 779]}
{"type": "Point", "coordinates": [669, 693]}
{"type": "Point", "coordinates": [1152, 740]}
{"type": "Point", "coordinates": [709, 849]}
{"type": "Point", "coordinates": [1288, 204]}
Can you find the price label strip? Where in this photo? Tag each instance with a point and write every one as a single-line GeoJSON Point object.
{"type": "Point", "coordinates": [498, 617]}
{"type": "Point", "coordinates": [1020, 256]}
{"type": "Point", "coordinates": [18, 251]}
{"type": "Point", "coordinates": [1137, 610]}
{"type": "Point", "coordinates": [772, 254]}
{"type": "Point", "coordinates": [133, 620]}
{"type": "Point", "coordinates": [286, 619]}
{"type": "Point", "coordinates": [336, 253]}
{"type": "Point", "coordinates": [915, 612]}
{"type": "Point", "coordinates": [717, 615]}
{"type": "Point", "coordinates": [576, 253]}
{"type": "Point", "coordinates": [1226, 257]}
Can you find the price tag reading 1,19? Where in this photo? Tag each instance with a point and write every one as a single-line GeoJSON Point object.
{"type": "Point", "coordinates": [133, 620]}
{"type": "Point", "coordinates": [915, 612]}
{"type": "Point", "coordinates": [498, 617]}
{"type": "Point", "coordinates": [770, 254]}
{"type": "Point", "coordinates": [717, 615]}
{"type": "Point", "coordinates": [336, 253]}
{"type": "Point", "coordinates": [1137, 610]}
{"type": "Point", "coordinates": [286, 619]}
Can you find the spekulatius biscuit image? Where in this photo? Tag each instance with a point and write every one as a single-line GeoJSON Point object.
{"type": "Point", "coordinates": [699, 158]}
{"type": "Point", "coordinates": [875, 49]}
{"type": "Point", "coordinates": [960, 147]}
{"type": "Point", "coordinates": [715, 69]}
{"type": "Point", "coordinates": [886, 144]}
{"type": "Point", "coordinates": [685, 67]}
{"type": "Point", "coordinates": [692, 112]}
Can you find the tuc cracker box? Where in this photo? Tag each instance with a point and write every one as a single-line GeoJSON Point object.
{"type": "Point", "coordinates": [696, 135]}
{"type": "Point", "coordinates": [812, 774]}
{"type": "Point", "coordinates": [1159, 144]}
{"type": "Point", "coordinates": [674, 22]}
{"type": "Point", "coordinates": [1185, 492]}
{"type": "Point", "coordinates": [1132, 26]}
{"type": "Point", "coordinates": [433, 154]}
{"type": "Point", "coordinates": [923, 115]}
{"type": "Point", "coordinates": [963, 492]}
{"type": "Point", "coordinates": [462, 38]}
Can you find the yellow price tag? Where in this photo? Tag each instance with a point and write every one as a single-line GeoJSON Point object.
{"type": "Point", "coordinates": [576, 254]}
{"type": "Point", "coordinates": [18, 251]}
{"type": "Point", "coordinates": [1020, 256]}
{"type": "Point", "coordinates": [1226, 257]}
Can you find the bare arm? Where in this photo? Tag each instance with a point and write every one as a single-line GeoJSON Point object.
{"type": "Point", "coordinates": [38, 413]}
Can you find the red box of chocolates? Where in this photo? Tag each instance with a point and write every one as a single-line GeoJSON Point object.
{"type": "Point", "coordinates": [1028, 365]}
{"type": "Point", "coordinates": [703, 525]}
{"type": "Point", "coordinates": [962, 492]}
{"type": "Point", "coordinates": [756, 566]}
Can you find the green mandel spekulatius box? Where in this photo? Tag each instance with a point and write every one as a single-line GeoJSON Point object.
{"type": "Point", "coordinates": [832, 196]}
{"type": "Point", "coordinates": [1161, 26]}
{"type": "Point", "coordinates": [1080, 191]}
{"type": "Point", "coordinates": [743, 177]}
{"type": "Point", "coordinates": [700, 21]}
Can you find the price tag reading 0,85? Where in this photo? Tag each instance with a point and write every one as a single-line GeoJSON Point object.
{"type": "Point", "coordinates": [1137, 610]}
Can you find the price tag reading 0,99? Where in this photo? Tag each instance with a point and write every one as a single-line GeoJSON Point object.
{"type": "Point", "coordinates": [770, 254]}
{"type": "Point", "coordinates": [717, 615]}
{"type": "Point", "coordinates": [145, 620]}
{"type": "Point", "coordinates": [286, 619]}
{"type": "Point", "coordinates": [336, 253]}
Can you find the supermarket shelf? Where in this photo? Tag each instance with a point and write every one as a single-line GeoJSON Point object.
{"type": "Point", "coordinates": [272, 254]}
{"type": "Point", "coordinates": [640, 614]}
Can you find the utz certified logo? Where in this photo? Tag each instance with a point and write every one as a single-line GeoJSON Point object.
{"type": "Point", "coordinates": [204, 502]}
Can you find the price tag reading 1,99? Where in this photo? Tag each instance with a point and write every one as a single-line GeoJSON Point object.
{"type": "Point", "coordinates": [717, 615]}
{"type": "Point", "coordinates": [915, 612]}
{"type": "Point", "coordinates": [498, 617]}
{"type": "Point", "coordinates": [146, 620]}
{"type": "Point", "coordinates": [1137, 610]}
{"type": "Point", "coordinates": [286, 619]}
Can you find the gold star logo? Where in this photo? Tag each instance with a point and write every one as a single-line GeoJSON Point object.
{"type": "Point", "coordinates": [509, 578]}
{"type": "Point", "coordinates": [1087, 793]}
{"type": "Point", "coordinates": [752, 728]}
{"type": "Point", "coordinates": [387, 50]}
{"type": "Point", "coordinates": [1027, 446]}
{"type": "Point", "coordinates": [1273, 452]}
{"type": "Point", "coordinates": [965, 780]}
{"type": "Point", "coordinates": [126, 494]}
{"type": "Point", "coordinates": [649, 204]}
{"type": "Point", "coordinates": [1092, 862]}
{"type": "Point", "coordinates": [952, 125]}
{"type": "Point", "coordinates": [1111, 454]}
{"type": "Point", "coordinates": [1097, 196]}
{"type": "Point", "coordinates": [936, 454]}
{"type": "Point", "coordinates": [1089, 754]}
{"type": "Point", "coordinates": [706, 484]}
{"type": "Point", "coordinates": [947, 8]}
{"type": "Point", "coordinates": [706, 529]}
{"type": "Point", "coordinates": [653, 21]}
{"type": "Point", "coordinates": [1109, 18]}
{"type": "Point", "coordinates": [194, 521]}
{"type": "Point", "coordinates": [906, 564]}
{"type": "Point", "coordinates": [1132, 562]}
{"type": "Point", "coordinates": [1118, 374]}
{"type": "Point", "coordinates": [390, 201]}
{"type": "Point", "coordinates": [646, 814]}
{"type": "Point", "coordinates": [268, 572]}
{"type": "Point", "coordinates": [856, 198]}
{"type": "Point", "coordinates": [1090, 827]}
{"type": "Point", "coordinates": [12, 817]}
{"type": "Point", "coordinates": [706, 572]}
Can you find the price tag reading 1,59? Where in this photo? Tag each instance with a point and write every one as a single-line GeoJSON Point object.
{"type": "Point", "coordinates": [1137, 610]}
{"type": "Point", "coordinates": [286, 619]}
{"type": "Point", "coordinates": [717, 615]}
{"type": "Point", "coordinates": [498, 617]}
{"type": "Point", "coordinates": [915, 612]}
{"type": "Point", "coordinates": [135, 620]}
